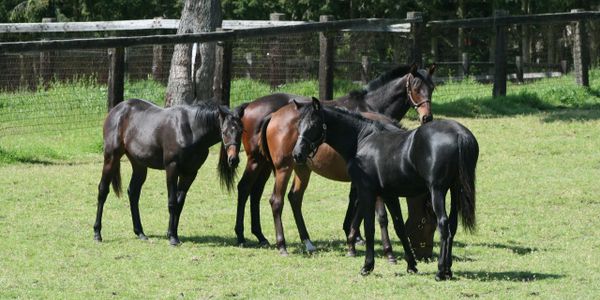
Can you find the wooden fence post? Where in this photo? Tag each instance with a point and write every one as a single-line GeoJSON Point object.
{"type": "Point", "coordinates": [416, 28]}
{"type": "Point", "coordinates": [222, 82]}
{"type": "Point", "coordinates": [564, 66]}
{"type": "Point", "coordinates": [580, 51]}
{"type": "Point", "coordinates": [500, 56]}
{"type": "Point", "coordinates": [466, 64]}
{"type": "Point", "coordinates": [327, 49]}
{"type": "Point", "coordinates": [519, 66]}
{"type": "Point", "coordinates": [46, 61]}
{"type": "Point", "coordinates": [249, 59]}
{"type": "Point", "coordinates": [365, 69]}
{"type": "Point", "coordinates": [276, 63]}
{"type": "Point", "coordinates": [116, 76]}
{"type": "Point", "coordinates": [158, 60]}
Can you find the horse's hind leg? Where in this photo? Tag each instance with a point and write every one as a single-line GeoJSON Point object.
{"type": "Point", "coordinates": [393, 205]}
{"type": "Point", "coordinates": [295, 196]}
{"type": "Point", "coordinates": [109, 169]}
{"type": "Point", "coordinates": [453, 223]}
{"type": "Point", "coordinates": [251, 185]}
{"type": "Point", "coordinates": [439, 207]}
{"type": "Point", "coordinates": [138, 178]}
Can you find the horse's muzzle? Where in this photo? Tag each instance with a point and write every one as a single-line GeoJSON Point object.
{"type": "Point", "coordinates": [426, 119]}
{"type": "Point", "coordinates": [233, 161]}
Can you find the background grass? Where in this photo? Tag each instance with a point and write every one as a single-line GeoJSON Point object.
{"type": "Point", "coordinates": [538, 207]}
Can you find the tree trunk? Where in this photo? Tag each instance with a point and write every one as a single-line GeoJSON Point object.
{"type": "Point", "coordinates": [196, 16]}
{"type": "Point", "coordinates": [210, 20]}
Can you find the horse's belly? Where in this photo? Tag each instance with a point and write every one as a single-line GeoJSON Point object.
{"type": "Point", "coordinates": [329, 164]}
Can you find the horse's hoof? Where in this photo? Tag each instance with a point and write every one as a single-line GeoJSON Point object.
{"type": "Point", "coordinates": [142, 237]}
{"type": "Point", "coordinates": [98, 238]}
{"type": "Point", "coordinates": [448, 274]}
{"type": "Point", "coordinates": [351, 253]}
{"type": "Point", "coordinates": [364, 271]}
{"type": "Point", "coordinates": [283, 252]}
{"type": "Point", "coordinates": [440, 276]}
{"type": "Point", "coordinates": [412, 270]}
{"type": "Point", "coordinates": [310, 248]}
{"type": "Point", "coordinates": [263, 243]}
{"type": "Point", "coordinates": [392, 260]}
{"type": "Point", "coordinates": [173, 241]}
{"type": "Point", "coordinates": [241, 242]}
{"type": "Point", "coordinates": [359, 241]}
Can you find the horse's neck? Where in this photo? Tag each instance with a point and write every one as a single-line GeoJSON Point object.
{"type": "Point", "coordinates": [344, 132]}
{"type": "Point", "coordinates": [386, 101]}
{"type": "Point", "coordinates": [206, 128]}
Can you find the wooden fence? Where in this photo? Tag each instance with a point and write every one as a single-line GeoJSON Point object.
{"type": "Point", "coordinates": [412, 26]}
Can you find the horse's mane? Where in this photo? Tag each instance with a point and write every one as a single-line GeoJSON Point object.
{"type": "Point", "coordinates": [381, 80]}
{"type": "Point", "coordinates": [344, 112]}
{"type": "Point", "coordinates": [207, 112]}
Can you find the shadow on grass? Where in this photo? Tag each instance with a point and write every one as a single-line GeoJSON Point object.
{"type": "Point", "coordinates": [10, 157]}
{"type": "Point", "coordinates": [517, 104]}
{"type": "Point", "coordinates": [516, 249]}
{"type": "Point", "coordinates": [512, 276]}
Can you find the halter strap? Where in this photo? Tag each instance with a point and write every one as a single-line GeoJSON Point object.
{"type": "Point", "coordinates": [409, 93]}
{"type": "Point", "coordinates": [314, 146]}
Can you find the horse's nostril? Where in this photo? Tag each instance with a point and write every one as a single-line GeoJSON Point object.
{"type": "Point", "coordinates": [427, 118]}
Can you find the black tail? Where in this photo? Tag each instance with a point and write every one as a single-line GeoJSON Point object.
{"type": "Point", "coordinates": [116, 177]}
{"type": "Point", "coordinates": [264, 145]}
{"type": "Point", "coordinates": [227, 174]}
{"type": "Point", "coordinates": [468, 152]}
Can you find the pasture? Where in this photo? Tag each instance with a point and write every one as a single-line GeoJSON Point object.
{"type": "Point", "coordinates": [537, 208]}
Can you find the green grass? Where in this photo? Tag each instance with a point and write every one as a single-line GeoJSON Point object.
{"type": "Point", "coordinates": [538, 207]}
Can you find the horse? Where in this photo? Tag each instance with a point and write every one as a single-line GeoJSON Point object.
{"type": "Point", "coordinates": [391, 94]}
{"type": "Point", "coordinates": [175, 139]}
{"type": "Point", "coordinates": [384, 161]}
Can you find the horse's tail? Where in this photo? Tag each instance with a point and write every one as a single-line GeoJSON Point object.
{"type": "Point", "coordinates": [263, 144]}
{"type": "Point", "coordinates": [468, 152]}
{"type": "Point", "coordinates": [227, 173]}
{"type": "Point", "coordinates": [116, 177]}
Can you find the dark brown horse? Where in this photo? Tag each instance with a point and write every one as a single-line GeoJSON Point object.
{"type": "Point", "coordinates": [175, 139]}
{"type": "Point", "coordinates": [391, 94]}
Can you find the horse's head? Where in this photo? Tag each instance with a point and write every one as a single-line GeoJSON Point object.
{"type": "Point", "coordinates": [312, 131]}
{"type": "Point", "coordinates": [231, 134]}
{"type": "Point", "coordinates": [419, 88]}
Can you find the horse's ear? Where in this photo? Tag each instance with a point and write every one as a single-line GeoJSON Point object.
{"type": "Point", "coordinates": [223, 111]}
{"type": "Point", "coordinates": [413, 68]}
{"type": "Point", "coordinates": [296, 103]}
{"type": "Point", "coordinates": [432, 69]}
{"type": "Point", "coordinates": [316, 103]}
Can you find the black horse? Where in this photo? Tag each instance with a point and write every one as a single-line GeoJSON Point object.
{"type": "Point", "coordinates": [174, 139]}
{"type": "Point", "coordinates": [386, 161]}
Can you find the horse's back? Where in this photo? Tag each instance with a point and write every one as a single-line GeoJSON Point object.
{"type": "Point", "coordinates": [256, 111]}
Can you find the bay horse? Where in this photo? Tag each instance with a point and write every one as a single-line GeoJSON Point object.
{"type": "Point", "coordinates": [391, 94]}
{"type": "Point", "coordinates": [175, 139]}
{"type": "Point", "coordinates": [383, 161]}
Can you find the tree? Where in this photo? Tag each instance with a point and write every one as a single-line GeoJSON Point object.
{"type": "Point", "coordinates": [183, 86]}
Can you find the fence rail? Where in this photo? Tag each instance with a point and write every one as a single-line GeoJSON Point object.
{"type": "Point", "coordinates": [413, 28]}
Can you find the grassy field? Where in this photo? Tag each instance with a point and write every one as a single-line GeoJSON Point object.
{"type": "Point", "coordinates": [538, 208]}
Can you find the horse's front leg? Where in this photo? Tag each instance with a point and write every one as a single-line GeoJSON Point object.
{"type": "Point", "coordinates": [367, 207]}
{"type": "Point", "coordinates": [295, 196]}
{"type": "Point", "coordinates": [282, 176]}
{"type": "Point", "coordinates": [383, 225]}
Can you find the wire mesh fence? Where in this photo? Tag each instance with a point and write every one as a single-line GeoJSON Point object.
{"type": "Point", "coordinates": [66, 90]}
